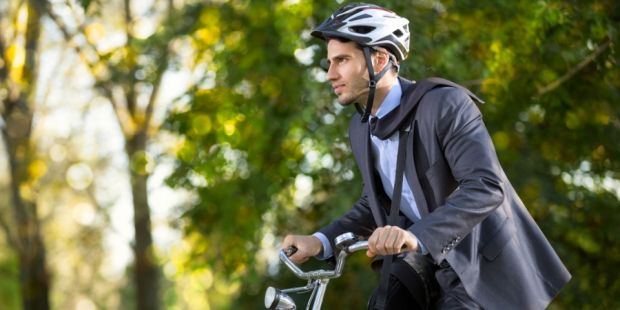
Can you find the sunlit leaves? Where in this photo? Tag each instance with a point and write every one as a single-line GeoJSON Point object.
{"type": "Point", "coordinates": [238, 147]}
{"type": "Point", "coordinates": [209, 32]}
{"type": "Point", "coordinates": [16, 56]}
{"type": "Point", "coordinates": [36, 170]}
{"type": "Point", "coordinates": [289, 16]}
{"type": "Point", "coordinates": [142, 163]}
{"type": "Point", "coordinates": [94, 32]}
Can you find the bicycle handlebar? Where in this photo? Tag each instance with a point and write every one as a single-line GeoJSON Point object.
{"type": "Point", "coordinates": [347, 243]}
{"type": "Point", "coordinates": [326, 274]}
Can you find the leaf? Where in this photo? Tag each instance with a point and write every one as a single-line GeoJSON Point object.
{"type": "Point", "coordinates": [86, 4]}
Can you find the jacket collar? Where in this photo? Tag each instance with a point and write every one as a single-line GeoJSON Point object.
{"type": "Point", "coordinates": [395, 119]}
{"type": "Point", "coordinates": [384, 127]}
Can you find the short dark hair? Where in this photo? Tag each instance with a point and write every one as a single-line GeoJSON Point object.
{"type": "Point", "coordinates": [345, 40]}
{"type": "Point", "coordinates": [361, 47]}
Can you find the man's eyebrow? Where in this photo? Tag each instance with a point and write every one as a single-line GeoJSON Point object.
{"type": "Point", "coordinates": [339, 56]}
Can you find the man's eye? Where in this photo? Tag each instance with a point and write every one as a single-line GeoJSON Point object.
{"type": "Point", "coordinates": [341, 61]}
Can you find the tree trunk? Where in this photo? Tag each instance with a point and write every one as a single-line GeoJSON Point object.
{"type": "Point", "coordinates": [25, 234]}
{"type": "Point", "coordinates": [34, 279]}
{"type": "Point", "coordinates": [146, 267]}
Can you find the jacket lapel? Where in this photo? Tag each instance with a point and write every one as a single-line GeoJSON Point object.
{"type": "Point", "coordinates": [410, 167]}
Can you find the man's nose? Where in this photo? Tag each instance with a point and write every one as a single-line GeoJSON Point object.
{"type": "Point", "coordinates": [332, 73]}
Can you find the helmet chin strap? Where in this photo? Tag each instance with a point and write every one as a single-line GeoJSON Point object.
{"type": "Point", "coordinates": [372, 82]}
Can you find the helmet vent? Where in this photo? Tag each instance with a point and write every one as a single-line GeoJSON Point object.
{"type": "Point", "coordinates": [361, 16]}
{"type": "Point", "coordinates": [362, 29]}
{"type": "Point", "coordinates": [398, 33]}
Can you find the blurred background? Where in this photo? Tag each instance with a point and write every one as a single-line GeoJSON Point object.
{"type": "Point", "coordinates": [155, 152]}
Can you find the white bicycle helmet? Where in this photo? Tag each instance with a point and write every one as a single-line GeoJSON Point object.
{"type": "Point", "coordinates": [369, 25]}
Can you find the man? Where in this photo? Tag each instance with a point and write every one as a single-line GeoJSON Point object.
{"type": "Point", "coordinates": [457, 217]}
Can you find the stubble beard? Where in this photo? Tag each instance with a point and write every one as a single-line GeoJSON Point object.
{"type": "Point", "coordinates": [351, 98]}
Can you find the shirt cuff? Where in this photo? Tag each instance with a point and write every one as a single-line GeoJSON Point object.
{"type": "Point", "coordinates": [327, 248]}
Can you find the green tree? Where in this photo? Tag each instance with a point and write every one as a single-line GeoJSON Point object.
{"type": "Point", "coordinates": [18, 75]}
{"type": "Point", "coordinates": [129, 76]}
{"type": "Point", "coordinates": [253, 135]}
{"type": "Point", "coordinates": [265, 147]}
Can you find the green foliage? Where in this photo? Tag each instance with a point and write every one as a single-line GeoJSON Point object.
{"type": "Point", "coordinates": [9, 285]}
{"type": "Point", "coordinates": [262, 122]}
{"type": "Point", "coordinates": [86, 4]}
{"type": "Point", "coordinates": [240, 137]}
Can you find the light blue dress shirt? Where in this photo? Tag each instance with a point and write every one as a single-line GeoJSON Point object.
{"type": "Point", "coordinates": [385, 153]}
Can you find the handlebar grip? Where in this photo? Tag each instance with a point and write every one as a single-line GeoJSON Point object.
{"type": "Point", "coordinates": [290, 251]}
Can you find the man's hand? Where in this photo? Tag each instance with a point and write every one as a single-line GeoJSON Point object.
{"type": "Point", "coordinates": [307, 246]}
{"type": "Point", "coordinates": [389, 240]}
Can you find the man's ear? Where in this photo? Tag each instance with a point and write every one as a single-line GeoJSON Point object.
{"type": "Point", "coordinates": [380, 61]}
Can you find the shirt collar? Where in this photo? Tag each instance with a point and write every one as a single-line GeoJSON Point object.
{"type": "Point", "coordinates": [391, 101]}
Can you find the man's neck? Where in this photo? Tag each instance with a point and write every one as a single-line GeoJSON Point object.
{"type": "Point", "coordinates": [382, 90]}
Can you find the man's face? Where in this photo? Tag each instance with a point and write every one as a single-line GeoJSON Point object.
{"type": "Point", "coordinates": [347, 72]}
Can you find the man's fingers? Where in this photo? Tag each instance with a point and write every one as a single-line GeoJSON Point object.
{"type": "Point", "coordinates": [289, 241]}
{"type": "Point", "coordinates": [376, 242]}
{"type": "Point", "coordinates": [394, 241]}
{"type": "Point", "coordinates": [388, 240]}
{"type": "Point", "coordinates": [409, 244]}
{"type": "Point", "coordinates": [298, 258]}
{"type": "Point", "coordinates": [383, 240]}
{"type": "Point", "coordinates": [299, 248]}
{"type": "Point", "coordinates": [372, 244]}
{"type": "Point", "coordinates": [400, 241]}
{"type": "Point", "coordinates": [369, 253]}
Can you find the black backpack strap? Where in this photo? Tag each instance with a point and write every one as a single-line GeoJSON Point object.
{"type": "Point", "coordinates": [403, 133]}
{"type": "Point", "coordinates": [393, 217]}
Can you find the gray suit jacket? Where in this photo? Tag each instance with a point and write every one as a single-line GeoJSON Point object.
{"type": "Point", "coordinates": [471, 215]}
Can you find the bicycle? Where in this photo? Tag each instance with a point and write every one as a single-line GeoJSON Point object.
{"type": "Point", "coordinates": [276, 299]}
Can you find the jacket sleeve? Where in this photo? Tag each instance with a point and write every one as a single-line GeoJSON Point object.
{"type": "Point", "coordinates": [358, 220]}
{"type": "Point", "coordinates": [472, 162]}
